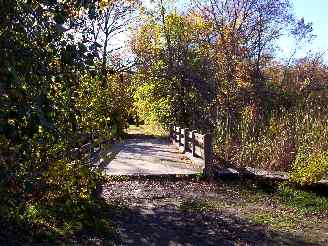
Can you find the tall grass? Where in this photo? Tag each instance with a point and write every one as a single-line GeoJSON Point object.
{"type": "Point", "coordinates": [294, 140]}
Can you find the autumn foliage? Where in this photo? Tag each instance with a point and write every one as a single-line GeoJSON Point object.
{"type": "Point", "coordinates": [65, 83]}
{"type": "Point", "coordinates": [213, 68]}
{"type": "Point", "coordinates": [53, 101]}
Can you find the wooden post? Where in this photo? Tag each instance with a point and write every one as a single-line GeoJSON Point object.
{"type": "Point", "coordinates": [171, 134]}
{"type": "Point", "coordinates": [185, 143]}
{"type": "Point", "coordinates": [178, 138]}
{"type": "Point", "coordinates": [193, 143]}
{"type": "Point", "coordinates": [208, 155]}
{"type": "Point", "coordinates": [174, 135]}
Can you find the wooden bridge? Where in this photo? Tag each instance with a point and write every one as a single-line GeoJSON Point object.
{"type": "Point", "coordinates": [185, 152]}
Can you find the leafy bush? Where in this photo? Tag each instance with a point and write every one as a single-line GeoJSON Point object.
{"type": "Point", "coordinates": [152, 100]}
{"type": "Point", "coordinates": [309, 168]}
{"type": "Point", "coordinates": [103, 109]}
{"type": "Point", "coordinates": [69, 180]}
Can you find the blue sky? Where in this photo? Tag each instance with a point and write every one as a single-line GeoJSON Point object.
{"type": "Point", "coordinates": [315, 11]}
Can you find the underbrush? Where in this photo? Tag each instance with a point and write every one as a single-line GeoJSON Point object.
{"type": "Point", "coordinates": [64, 222]}
{"type": "Point", "coordinates": [299, 199]}
{"type": "Point", "coordinates": [61, 205]}
{"type": "Point", "coordinates": [277, 205]}
{"type": "Point", "coordinates": [295, 142]}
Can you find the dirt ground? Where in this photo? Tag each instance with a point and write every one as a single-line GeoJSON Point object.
{"type": "Point", "coordinates": [194, 212]}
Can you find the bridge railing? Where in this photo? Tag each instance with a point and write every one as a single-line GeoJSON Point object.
{"type": "Point", "coordinates": [195, 145]}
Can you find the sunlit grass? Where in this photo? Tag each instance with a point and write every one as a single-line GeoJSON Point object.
{"type": "Point", "coordinates": [302, 201]}
{"type": "Point", "coordinates": [202, 206]}
{"type": "Point", "coordinates": [281, 207]}
{"type": "Point", "coordinates": [148, 130]}
{"type": "Point", "coordinates": [276, 220]}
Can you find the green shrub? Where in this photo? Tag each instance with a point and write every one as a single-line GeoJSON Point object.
{"type": "Point", "coordinates": [152, 100]}
{"type": "Point", "coordinates": [309, 168]}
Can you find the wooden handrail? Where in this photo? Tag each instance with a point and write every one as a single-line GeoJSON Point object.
{"type": "Point", "coordinates": [194, 144]}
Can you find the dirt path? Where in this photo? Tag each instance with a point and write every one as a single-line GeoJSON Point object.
{"type": "Point", "coordinates": [173, 213]}
{"type": "Point", "coordinates": [147, 156]}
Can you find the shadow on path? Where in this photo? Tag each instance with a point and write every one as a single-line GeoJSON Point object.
{"type": "Point", "coordinates": [162, 223]}
{"type": "Point", "coordinates": [174, 212]}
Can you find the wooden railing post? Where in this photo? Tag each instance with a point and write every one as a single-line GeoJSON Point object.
{"type": "Point", "coordinates": [178, 139]}
{"type": "Point", "coordinates": [193, 143]}
{"type": "Point", "coordinates": [180, 134]}
{"type": "Point", "coordinates": [174, 134]}
{"type": "Point", "coordinates": [185, 142]}
{"type": "Point", "coordinates": [208, 155]}
{"type": "Point", "coordinates": [170, 132]}
{"type": "Point", "coordinates": [171, 129]}
{"type": "Point", "coordinates": [190, 140]}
